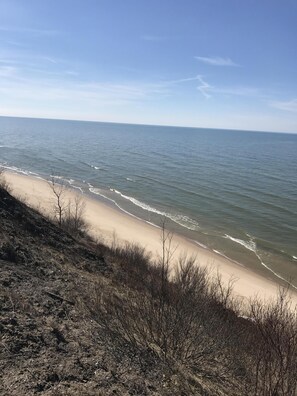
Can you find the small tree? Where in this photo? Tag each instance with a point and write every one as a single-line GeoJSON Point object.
{"type": "Point", "coordinates": [69, 213]}
{"type": "Point", "coordinates": [60, 204]}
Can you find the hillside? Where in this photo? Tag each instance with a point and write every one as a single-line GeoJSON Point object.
{"type": "Point", "coordinates": [79, 318]}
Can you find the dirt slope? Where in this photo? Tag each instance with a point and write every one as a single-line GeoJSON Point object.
{"type": "Point", "coordinates": [49, 344]}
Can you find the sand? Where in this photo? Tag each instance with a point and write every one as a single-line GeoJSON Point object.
{"type": "Point", "coordinates": [109, 224]}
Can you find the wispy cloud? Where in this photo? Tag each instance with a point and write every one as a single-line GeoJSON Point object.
{"type": "Point", "coordinates": [208, 90]}
{"type": "Point", "coordinates": [18, 87]}
{"type": "Point", "coordinates": [181, 80]}
{"type": "Point", "coordinates": [204, 87]}
{"type": "Point", "coordinates": [290, 105]}
{"type": "Point", "coordinates": [50, 60]}
{"type": "Point", "coordinates": [7, 71]}
{"type": "Point", "coordinates": [27, 62]}
{"type": "Point", "coordinates": [216, 61]}
{"type": "Point", "coordinates": [12, 42]}
{"type": "Point", "coordinates": [245, 91]}
{"type": "Point", "coordinates": [71, 73]}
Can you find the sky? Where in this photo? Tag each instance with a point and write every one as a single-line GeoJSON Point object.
{"type": "Point", "coordinates": [228, 64]}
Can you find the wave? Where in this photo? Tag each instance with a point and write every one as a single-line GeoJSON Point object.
{"type": "Point", "coordinates": [57, 177]}
{"type": "Point", "coordinates": [69, 181]}
{"type": "Point", "coordinates": [38, 176]}
{"type": "Point", "coordinates": [152, 224]}
{"type": "Point", "coordinates": [200, 244]}
{"type": "Point", "coordinates": [294, 257]}
{"type": "Point", "coordinates": [96, 167]}
{"type": "Point", "coordinates": [130, 180]}
{"type": "Point", "coordinates": [228, 258]}
{"type": "Point", "coordinates": [182, 220]}
{"type": "Point", "coordinates": [252, 246]}
{"type": "Point", "coordinates": [19, 170]}
{"type": "Point", "coordinates": [96, 191]}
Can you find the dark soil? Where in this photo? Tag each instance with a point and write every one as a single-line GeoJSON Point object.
{"type": "Point", "coordinates": [49, 344]}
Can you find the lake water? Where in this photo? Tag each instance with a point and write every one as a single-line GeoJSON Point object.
{"type": "Point", "coordinates": [232, 191]}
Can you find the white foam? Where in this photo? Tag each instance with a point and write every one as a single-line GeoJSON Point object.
{"type": "Point", "coordinates": [275, 273]}
{"type": "Point", "coordinates": [294, 257]}
{"type": "Point", "coordinates": [152, 224]}
{"type": "Point", "coordinates": [57, 177]}
{"type": "Point", "coordinates": [200, 244]}
{"type": "Point", "coordinates": [78, 188]}
{"type": "Point", "coordinates": [17, 170]}
{"type": "Point", "coordinates": [250, 245]}
{"type": "Point", "coordinates": [98, 192]}
{"type": "Point", "coordinates": [71, 182]}
{"type": "Point", "coordinates": [182, 220]}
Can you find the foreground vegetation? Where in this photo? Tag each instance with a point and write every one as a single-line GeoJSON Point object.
{"type": "Point", "coordinates": [81, 318]}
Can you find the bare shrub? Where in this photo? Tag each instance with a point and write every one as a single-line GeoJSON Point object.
{"type": "Point", "coordinates": [133, 264]}
{"type": "Point", "coordinates": [222, 293]}
{"type": "Point", "coordinates": [275, 347]}
{"type": "Point", "coordinates": [3, 182]}
{"type": "Point", "coordinates": [171, 315]}
{"type": "Point", "coordinates": [73, 219]}
{"type": "Point", "coordinates": [68, 213]}
{"type": "Point", "coordinates": [193, 322]}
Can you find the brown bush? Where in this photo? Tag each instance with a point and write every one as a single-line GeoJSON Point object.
{"type": "Point", "coordinates": [274, 348]}
{"type": "Point", "coordinates": [192, 320]}
{"type": "Point", "coordinates": [3, 182]}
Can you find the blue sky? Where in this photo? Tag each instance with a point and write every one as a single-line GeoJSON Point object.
{"type": "Point", "coordinates": [205, 63]}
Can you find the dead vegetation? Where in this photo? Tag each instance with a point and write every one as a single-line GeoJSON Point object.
{"type": "Point", "coordinates": [68, 213]}
{"type": "Point", "coordinates": [275, 347]}
{"type": "Point", "coordinates": [3, 182]}
{"type": "Point", "coordinates": [80, 318]}
{"type": "Point", "coordinates": [193, 323]}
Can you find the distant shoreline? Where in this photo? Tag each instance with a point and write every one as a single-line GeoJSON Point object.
{"type": "Point", "coordinates": [108, 223]}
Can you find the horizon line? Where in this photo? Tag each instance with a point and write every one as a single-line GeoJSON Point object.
{"type": "Point", "coordinates": [153, 125]}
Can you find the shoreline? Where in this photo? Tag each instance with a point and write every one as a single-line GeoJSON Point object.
{"type": "Point", "coordinates": [109, 223]}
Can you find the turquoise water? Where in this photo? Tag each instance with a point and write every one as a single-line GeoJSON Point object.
{"type": "Point", "coordinates": [232, 191]}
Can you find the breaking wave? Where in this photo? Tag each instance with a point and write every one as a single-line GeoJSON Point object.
{"type": "Point", "coordinates": [182, 220]}
{"type": "Point", "coordinates": [252, 246]}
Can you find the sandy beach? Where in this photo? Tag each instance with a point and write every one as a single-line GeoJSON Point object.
{"type": "Point", "coordinates": [109, 224]}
